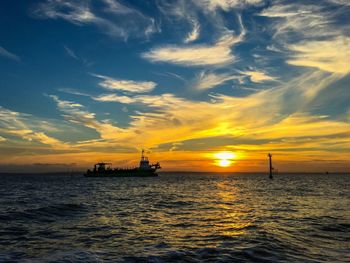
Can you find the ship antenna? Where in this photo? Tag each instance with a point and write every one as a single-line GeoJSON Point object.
{"type": "Point", "coordinates": [142, 156]}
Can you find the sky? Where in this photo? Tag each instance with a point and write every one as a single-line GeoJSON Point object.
{"type": "Point", "coordinates": [201, 85]}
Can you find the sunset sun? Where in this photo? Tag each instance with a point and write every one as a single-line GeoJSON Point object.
{"type": "Point", "coordinates": [224, 163]}
{"type": "Point", "coordinates": [224, 159]}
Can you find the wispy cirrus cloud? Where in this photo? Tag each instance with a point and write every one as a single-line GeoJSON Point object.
{"type": "Point", "coordinates": [18, 124]}
{"type": "Point", "coordinates": [213, 5]}
{"type": "Point", "coordinates": [115, 98]}
{"type": "Point", "coordinates": [73, 92]}
{"type": "Point", "coordinates": [258, 76]}
{"type": "Point", "coordinates": [340, 2]}
{"type": "Point", "coordinates": [311, 34]}
{"type": "Point", "coordinates": [208, 80]}
{"type": "Point", "coordinates": [292, 21]}
{"type": "Point", "coordinates": [70, 52]}
{"type": "Point", "coordinates": [77, 114]}
{"type": "Point", "coordinates": [7, 54]}
{"type": "Point", "coordinates": [74, 109]}
{"type": "Point", "coordinates": [219, 54]}
{"type": "Point", "coordinates": [198, 55]}
{"type": "Point", "coordinates": [194, 34]}
{"type": "Point", "coordinates": [166, 100]}
{"type": "Point", "coordinates": [331, 55]}
{"type": "Point", "coordinates": [76, 12]}
{"type": "Point", "coordinates": [114, 18]}
{"type": "Point", "coordinates": [125, 85]}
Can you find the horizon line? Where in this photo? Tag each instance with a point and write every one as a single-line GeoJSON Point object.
{"type": "Point", "coordinates": [202, 172]}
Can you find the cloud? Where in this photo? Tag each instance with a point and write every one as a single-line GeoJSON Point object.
{"type": "Point", "coordinates": [340, 2]}
{"type": "Point", "coordinates": [258, 76]}
{"type": "Point", "coordinates": [194, 34]}
{"type": "Point", "coordinates": [117, 8]}
{"type": "Point", "coordinates": [112, 17]}
{"type": "Point", "coordinates": [198, 55]}
{"type": "Point", "coordinates": [77, 114]}
{"type": "Point", "coordinates": [207, 80]}
{"type": "Point", "coordinates": [43, 138]}
{"type": "Point", "coordinates": [7, 54]}
{"type": "Point", "coordinates": [114, 98]}
{"type": "Point", "coordinates": [250, 116]}
{"type": "Point", "coordinates": [76, 12]}
{"type": "Point", "coordinates": [73, 92]}
{"type": "Point", "coordinates": [165, 100]}
{"type": "Point", "coordinates": [172, 75]}
{"type": "Point", "coordinates": [273, 48]}
{"type": "Point", "coordinates": [70, 52]}
{"type": "Point", "coordinates": [331, 55]}
{"type": "Point", "coordinates": [175, 146]}
{"type": "Point", "coordinates": [18, 124]}
{"type": "Point", "coordinates": [212, 5]}
{"type": "Point", "coordinates": [74, 111]}
{"type": "Point", "coordinates": [287, 10]}
{"type": "Point", "coordinates": [292, 22]}
{"type": "Point", "coordinates": [311, 34]}
{"type": "Point", "coordinates": [218, 54]}
{"type": "Point", "coordinates": [126, 85]}
{"type": "Point", "coordinates": [132, 21]}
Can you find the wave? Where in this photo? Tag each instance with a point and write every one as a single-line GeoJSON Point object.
{"type": "Point", "coordinates": [341, 227]}
{"type": "Point", "coordinates": [45, 213]}
{"type": "Point", "coordinates": [253, 254]}
{"type": "Point", "coordinates": [173, 204]}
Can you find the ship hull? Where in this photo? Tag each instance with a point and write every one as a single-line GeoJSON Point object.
{"type": "Point", "coordinates": [123, 173]}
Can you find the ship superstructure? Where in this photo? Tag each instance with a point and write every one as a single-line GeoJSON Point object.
{"type": "Point", "coordinates": [145, 169]}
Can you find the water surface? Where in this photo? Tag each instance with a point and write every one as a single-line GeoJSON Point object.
{"type": "Point", "coordinates": [179, 217]}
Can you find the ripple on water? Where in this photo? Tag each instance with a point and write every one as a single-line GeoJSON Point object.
{"type": "Point", "coordinates": [48, 213]}
{"type": "Point", "coordinates": [175, 218]}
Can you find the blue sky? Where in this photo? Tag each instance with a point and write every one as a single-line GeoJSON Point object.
{"type": "Point", "coordinates": [83, 81]}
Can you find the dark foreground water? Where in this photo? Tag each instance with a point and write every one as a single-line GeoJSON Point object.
{"type": "Point", "coordinates": [175, 218]}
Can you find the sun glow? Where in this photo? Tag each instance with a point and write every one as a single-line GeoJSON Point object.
{"type": "Point", "coordinates": [224, 159]}
{"type": "Point", "coordinates": [224, 163]}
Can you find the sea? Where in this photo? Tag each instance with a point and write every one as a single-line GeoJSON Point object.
{"type": "Point", "coordinates": [176, 217]}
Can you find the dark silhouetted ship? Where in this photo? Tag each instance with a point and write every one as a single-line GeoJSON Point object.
{"type": "Point", "coordinates": [145, 169]}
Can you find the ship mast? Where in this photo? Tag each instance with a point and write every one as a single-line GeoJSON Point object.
{"type": "Point", "coordinates": [270, 166]}
{"type": "Point", "coordinates": [143, 157]}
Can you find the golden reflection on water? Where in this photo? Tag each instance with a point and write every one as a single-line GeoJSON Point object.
{"type": "Point", "coordinates": [235, 218]}
{"type": "Point", "coordinates": [188, 219]}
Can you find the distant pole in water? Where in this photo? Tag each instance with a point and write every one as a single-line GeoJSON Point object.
{"type": "Point", "coordinates": [271, 168]}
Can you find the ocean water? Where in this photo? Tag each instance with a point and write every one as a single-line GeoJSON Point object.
{"type": "Point", "coordinates": [179, 217]}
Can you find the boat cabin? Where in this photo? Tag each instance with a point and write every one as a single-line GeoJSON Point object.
{"type": "Point", "coordinates": [144, 163]}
